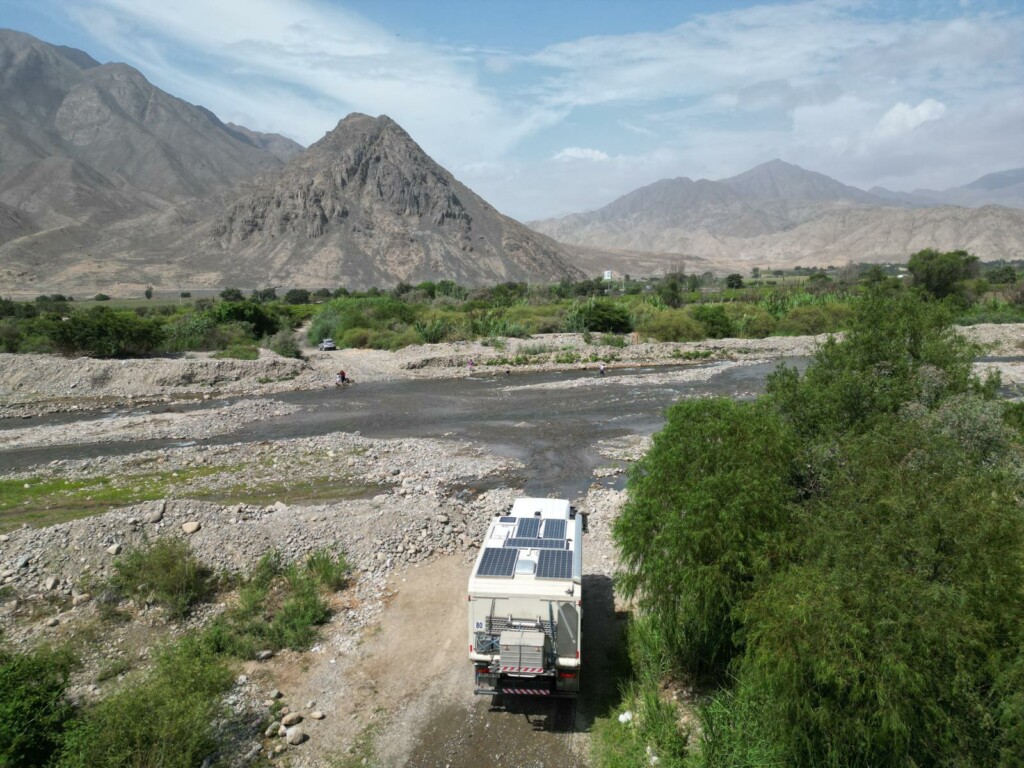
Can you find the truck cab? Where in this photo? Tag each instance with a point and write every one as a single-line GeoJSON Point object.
{"type": "Point", "coordinates": [525, 601]}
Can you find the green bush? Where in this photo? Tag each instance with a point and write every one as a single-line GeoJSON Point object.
{"type": "Point", "coordinates": [613, 340]}
{"type": "Point", "coordinates": [277, 608]}
{"type": "Point", "coordinates": [101, 297]}
{"type": "Point", "coordinates": [166, 720]}
{"type": "Point", "coordinates": [165, 572]}
{"type": "Point", "coordinates": [672, 325]}
{"type": "Point", "coordinates": [262, 321]}
{"type": "Point", "coordinates": [33, 707]}
{"type": "Point", "coordinates": [597, 316]}
{"type": "Point", "coordinates": [103, 332]}
{"type": "Point", "coordinates": [191, 331]}
{"type": "Point", "coordinates": [284, 344]}
{"type": "Point", "coordinates": [716, 322]}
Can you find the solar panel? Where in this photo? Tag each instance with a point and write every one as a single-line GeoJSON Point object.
{"type": "Point", "coordinates": [554, 529]}
{"type": "Point", "coordinates": [498, 562]}
{"type": "Point", "coordinates": [507, 520]}
{"type": "Point", "coordinates": [554, 564]}
{"type": "Point", "coordinates": [528, 528]}
{"type": "Point", "coordinates": [520, 542]}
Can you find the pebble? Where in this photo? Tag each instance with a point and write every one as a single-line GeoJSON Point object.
{"type": "Point", "coordinates": [191, 526]}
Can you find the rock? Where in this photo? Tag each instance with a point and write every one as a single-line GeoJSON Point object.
{"type": "Point", "coordinates": [191, 526]}
{"type": "Point", "coordinates": [317, 715]}
{"type": "Point", "coordinates": [53, 621]}
{"type": "Point", "coordinates": [264, 655]}
{"type": "Point", "coordinates": [22, 562]}
{"type": "Point", "coordinates": [295, 735]}
{"type": "Point", "coordinates": [114, 549]}
{"type": "Point", "coordinates": [158, 513]}
{"type": "Point", "coordinates": [280, 506]}
{"type": "Point", "coordinates": [276, 694]}
{"type": "Point", "coordinates": [292, 718]}
{"type": "Point", "coordinates": [272, 729]}
{"type": "Point", "coordinates": [4, 538]}
{"type": "Point", "coordinates": [81, 599]}
{"type": "Point", "coordinates": [51, 582]}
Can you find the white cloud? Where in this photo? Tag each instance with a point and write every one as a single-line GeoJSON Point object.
{"type": "Point", "coordinates": [828, 84]}
{"type": "Point", "coordinates": [580, 153]}
{"type": "Point", "coordinates": [903, 118]}
{"type": "Point", "coordinates": [309, 63]}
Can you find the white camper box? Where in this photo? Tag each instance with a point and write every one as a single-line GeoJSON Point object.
{"type": "Point", "coordinates": [526, 601]}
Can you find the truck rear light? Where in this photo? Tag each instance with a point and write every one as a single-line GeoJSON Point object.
{"type": "Point", "coordinates": [577, 654]}
{"type": "Point", "coordinates": [471, 648]}
{"type": "Point", "coordinates": [483, 670]}
{"type": "Point", "coordinates": [567, 675]}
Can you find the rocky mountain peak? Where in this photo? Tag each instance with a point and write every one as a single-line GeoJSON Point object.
{"type": "Point", "coordinates": [779, 180]}
{"type": "Point", "coordinates": [370, 201]}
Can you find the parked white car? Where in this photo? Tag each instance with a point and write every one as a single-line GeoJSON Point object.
{"type": "Point", "coordinates": [327, 345]}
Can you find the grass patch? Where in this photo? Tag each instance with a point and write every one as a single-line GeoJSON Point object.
{"type": "Point", "coordinates": [47, 501]}
{"type": "Point", "coordinates": [693, 354]}
{"type": "Point", "coordinates": [113, 668]}
{"type": "Point", "coordinates": [289, 492]}
{"type": "Point", "coordinates": [361, 754]}
{"type": "Point", "coordinates": [329, 569]}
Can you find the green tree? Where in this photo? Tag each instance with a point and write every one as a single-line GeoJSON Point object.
{"type": "Point", "coordinates": [102, 332]}
{"type": "Point", "coordinates": [232, 294]}
{"type": "Point", "coordinates": [149, 292]}
{"type": "Point", "coordinates": [942, 274]}
{"type": "Point", "coordinates": [297, 296]}
{"type": "Point", "coordinates": [735, 280]}
{"type": "Point", "coordinates": [898, 349]}
{"type": "Point", "coordinates": [1002, 275]}
{"type": "Point", "coordinates": [704, 522]}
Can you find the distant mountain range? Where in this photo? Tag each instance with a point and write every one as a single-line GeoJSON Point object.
{"type": "Point", "coordinates": [109, 183]}
{"type": "Point", "coordinates": [779, 214]}
{"type": "Point", "coordinates": [106, 179]}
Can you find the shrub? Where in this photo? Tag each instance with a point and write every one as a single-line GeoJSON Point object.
{"type": "Point", "coordinates": [101, 297]}
{"type": "Point", "coordinates": [284, 344]}
{"type": "Point", "coordinates": [613, 340]}
{"type": "Point", "coordinates": [33, 708]}
{"type": "Point", "coordinates": [277, 607]}
{"type": "Point", "coordinates": [103, 332]}
{"type": "Point", "coordinates": [189, 331]}
{"type": "Point", "coordinates": [165, 572]}
{"type": "Point", "coordinates": [297, 296]}
{"type": "Point", "coordinates": [165, 721]}
{"type": "Point", "coordinates": [263, 323]}
{"type": "Point", "coordinates": [599, 316]}
{"type": "Point", "coordinates": [716, 322]}
{"type": "Point", "coordinates": [673, 325]}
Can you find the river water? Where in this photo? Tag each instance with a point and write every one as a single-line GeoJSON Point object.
{"type": "Point", "coordinates": [551, 421]}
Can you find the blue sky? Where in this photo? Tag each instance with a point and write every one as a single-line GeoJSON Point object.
{"type": "Point", "coordinates": [546, 108]}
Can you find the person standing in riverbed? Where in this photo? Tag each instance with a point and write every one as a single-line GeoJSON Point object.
{"type": "Point", "coordinates": [600, 369]}
{"type": "Point", "coordinates": [340, 378]}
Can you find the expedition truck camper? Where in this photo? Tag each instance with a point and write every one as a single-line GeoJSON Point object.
{"type": "Point", "coordinates": [525, 601]}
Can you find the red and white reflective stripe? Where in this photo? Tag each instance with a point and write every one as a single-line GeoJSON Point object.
{"type": "Point", "coordinates": [523, 669]}
{"type": "Point", "coordinates": [527, 691]}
